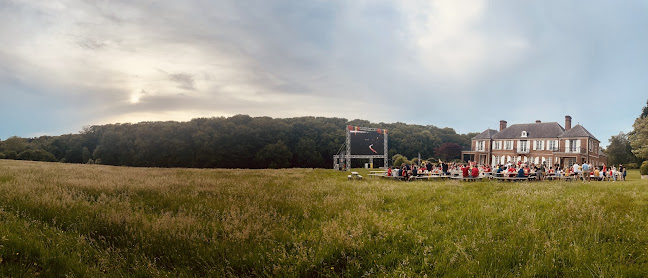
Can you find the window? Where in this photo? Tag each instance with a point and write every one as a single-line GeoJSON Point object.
{"type": "Point", "coordinates": [524, 134]}
{"type": "Point", "coordinates": [524, 146]}
{"type": "Point", "coordinates": [508, 145]}
{"type": "Point", "coordinates": [480, 145]}
{"type": "Point", "coordinates": [591, 145]}
{"type": "Point", "coordinates": [497, 145]}
{"type": "Point", "coordinates": [553, 145]}
{"type": "Point", "coordinates": [572, 147]}
{"type": "Point", "coordinates": [539, 145]}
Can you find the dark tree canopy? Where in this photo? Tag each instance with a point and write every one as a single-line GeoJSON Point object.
{"type": "Point", "coordinates": [240, 141]}
{"type": "Point", "coordinates": [449, 151]}
{"type": "Point", "coordinates": [619, 151]}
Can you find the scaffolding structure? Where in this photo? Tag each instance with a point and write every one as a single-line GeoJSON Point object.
{"type": "Point", "coordinates": [347, 155]}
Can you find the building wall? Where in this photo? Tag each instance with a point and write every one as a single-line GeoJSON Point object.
{"type": "Point", "coordinates": [543, 153]}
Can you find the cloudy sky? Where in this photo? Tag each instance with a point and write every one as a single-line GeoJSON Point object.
{"type": "Point", "coordinates": [464, 64]}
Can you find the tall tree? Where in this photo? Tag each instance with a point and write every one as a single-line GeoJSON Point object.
{"type": "Point", "coordinates": [639, 138]}
{"type": "Point", "coordinates": [620, 150]}
{"type": "Point", "coordinates": [644, 111]}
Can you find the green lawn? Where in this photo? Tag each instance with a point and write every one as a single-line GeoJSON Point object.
{"type": "Point", "coordinates": [89, 220]}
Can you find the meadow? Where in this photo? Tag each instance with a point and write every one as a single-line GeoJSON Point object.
{"type": "Point", "coordinates": [91, 220]}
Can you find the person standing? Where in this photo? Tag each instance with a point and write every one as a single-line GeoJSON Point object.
{"type": "Point", "coordinates": [622, 172]}
{"type": "Point", "coordinates": [444, 168]}
{"type": "Point", "coordinates": [576, 169]}
{"type": "Point", "coordinates": [586, 170]}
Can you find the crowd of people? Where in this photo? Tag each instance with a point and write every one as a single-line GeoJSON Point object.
{"type": "Point", "coordinates": [586, 171]}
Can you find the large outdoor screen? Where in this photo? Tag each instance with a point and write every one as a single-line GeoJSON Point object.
{"type": "Point", "coordinates": [365, 142]}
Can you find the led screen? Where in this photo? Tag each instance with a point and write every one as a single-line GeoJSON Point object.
{"type": "Point", "coordinates": [367, 142]}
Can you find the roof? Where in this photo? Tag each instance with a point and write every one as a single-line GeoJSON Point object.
{"type": "Point", "coordinates": [534, 130]}
{"type": "Point", "coordinates": [487, 134]}
{"type": "Point", "coordinates": [578, 131]}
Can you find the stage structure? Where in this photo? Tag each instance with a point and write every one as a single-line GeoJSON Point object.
{"type": "Point", "coordinates": [362, 142]}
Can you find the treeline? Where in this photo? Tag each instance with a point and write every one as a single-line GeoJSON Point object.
{"type": "Point", "coordinates": [240, 141]}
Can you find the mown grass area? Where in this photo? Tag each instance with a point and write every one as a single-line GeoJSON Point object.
{"type": "Point", "coordinates": [89, 220]}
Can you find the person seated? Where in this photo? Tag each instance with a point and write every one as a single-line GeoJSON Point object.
{"type": "Point", "coordinates": [475, 172]}
{"type": "Point", "coordinates": [512, 171]}
{"type": "Point", "coordinates": [389, 172]}
{"type": "Point", "coordinates": [526, 171]}
{"type": "Point", "coordinates": [520, 173]}
{"type": "Point", "coordinates": [595, 174]}
{"type": "Point", "coordinates": [498, 169]}
{"type": "Point", "coordinates": [403, 171]}
{"type": "Point", "coordinates": [487, 169]}
{"type": "Point", "coordinates": [464, 170]}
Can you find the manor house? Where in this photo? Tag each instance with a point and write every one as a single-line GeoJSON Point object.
{"type": "Point", "coordinates": [537, 143]}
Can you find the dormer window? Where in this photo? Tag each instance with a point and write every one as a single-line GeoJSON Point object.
{"type": "Point", "coordinates": [524, 134]}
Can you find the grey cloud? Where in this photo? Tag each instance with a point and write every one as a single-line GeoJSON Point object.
{"type": "Point", "coordinates": [184, 81]}
{"type": "Point", "coordinates": [91, 44]}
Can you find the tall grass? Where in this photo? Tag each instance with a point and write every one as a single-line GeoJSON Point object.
{"type": "Point", "coordinates": [89, 220]}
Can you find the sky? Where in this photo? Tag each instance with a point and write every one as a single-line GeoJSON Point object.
{"type": "Point", "coordinates": [464, 64]}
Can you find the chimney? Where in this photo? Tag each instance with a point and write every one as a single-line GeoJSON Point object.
{"type": "Point", "coordinates": [502, 125]}
{"type": "Point", "coordinates": [538, 121]}
{"type": "Point", "coordinates": [567, 123]}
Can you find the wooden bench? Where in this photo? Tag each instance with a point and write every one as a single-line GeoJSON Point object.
{"type": "Point", "coordinates": [428, 177]}
{"type": "Point", "coordinates": [516, 178]}
{"type": "Point", "coordinates": [563, 178]}
{"type": "Point", "coordinates": [468, 178]}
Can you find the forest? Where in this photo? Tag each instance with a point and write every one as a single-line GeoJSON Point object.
{"type": "Point", "coordinates": [239, 141]}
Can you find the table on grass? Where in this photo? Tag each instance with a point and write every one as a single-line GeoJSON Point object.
{"type": "Point", "coordinates": [354, 176]}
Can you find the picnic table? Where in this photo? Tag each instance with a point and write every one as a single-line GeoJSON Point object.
{"type": "Point", "coordinates": [354, 176]}
{"type": "Point", "coordinates": [377, 173]}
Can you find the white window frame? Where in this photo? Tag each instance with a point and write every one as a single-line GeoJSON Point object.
{"type": "Point", "coordinates": [573, 144]}
{"type": "Point", "coordinates": [523, 146]}
{"type": "Point", "coordinates": [480, 145]}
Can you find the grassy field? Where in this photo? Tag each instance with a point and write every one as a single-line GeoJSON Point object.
{"type": "Point", "coordinates": [89, 220]}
